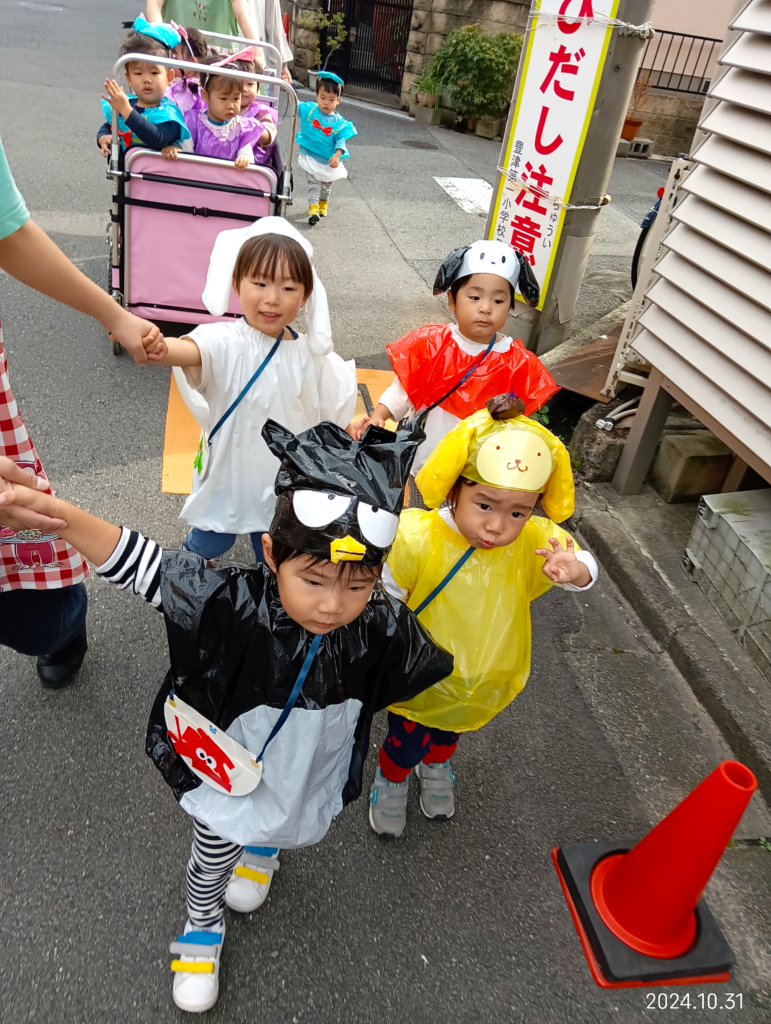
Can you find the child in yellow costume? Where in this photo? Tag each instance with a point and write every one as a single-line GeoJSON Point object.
{"type": "Point", "coordinates": [469, 570]}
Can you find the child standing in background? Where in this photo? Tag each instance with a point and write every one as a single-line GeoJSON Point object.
{"type": "Point", "coordinates": [322, 145]}
{"type": "Point", "coordinates": [147, 117]}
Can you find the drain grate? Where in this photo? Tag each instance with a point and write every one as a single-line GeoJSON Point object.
{"type": "Point", "coordinates": [418, 144]}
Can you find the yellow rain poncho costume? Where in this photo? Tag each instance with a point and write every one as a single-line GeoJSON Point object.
{"type": "Point", "coordinates": [482, 616]}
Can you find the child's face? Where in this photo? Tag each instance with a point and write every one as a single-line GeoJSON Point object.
{"type": "Point", "coordinates": [248, 94]}
{"type": "Point", "coordinates": [223, 98]}
{"type": "Point", "coordinates": [327, 101]}
{"type": "Point", "coordinates": [270, 304]}
{"type": "Point", "coordinates": [491, 517]}
{"type": "Point", "coordinates": [316, 595]}
{"type": "Point", "coordinates": [148, 82]}
{"type": "Point", "coordinates": [481, 306]}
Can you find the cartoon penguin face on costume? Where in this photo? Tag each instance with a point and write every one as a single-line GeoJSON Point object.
{"type": "Point", "coordinates": [339, 499]}
{"type": "Point", "coordinates": [515, 459]}
{"type": "Point", "coordinates": [490, 257]}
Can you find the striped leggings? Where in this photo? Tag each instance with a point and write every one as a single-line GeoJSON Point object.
{"type": "Point", "coordinates": [208, 872]}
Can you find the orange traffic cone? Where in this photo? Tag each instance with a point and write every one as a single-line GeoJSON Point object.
{"type": "Point", "coordinates": [638, 911]}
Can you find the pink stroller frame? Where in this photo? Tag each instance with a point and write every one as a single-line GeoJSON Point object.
{"type": "Point", "coordinates": [166, 215]}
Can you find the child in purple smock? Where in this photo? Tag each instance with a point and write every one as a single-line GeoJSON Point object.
{"type": "Point", "coordinates": [221, 130]}
{"type": "Point", "coordinates": [185, 89]}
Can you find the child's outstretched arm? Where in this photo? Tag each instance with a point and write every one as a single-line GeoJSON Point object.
{"type": "Point", "coordinates": [173, 352]}
{"type": "Point", "coordinates": [92, 537]}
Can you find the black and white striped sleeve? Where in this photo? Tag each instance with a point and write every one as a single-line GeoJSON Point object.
{"type": "Point", "coordinates": [135, 563]}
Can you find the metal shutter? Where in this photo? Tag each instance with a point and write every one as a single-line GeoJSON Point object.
{"type": "Point", "coordinates": [707, 326]}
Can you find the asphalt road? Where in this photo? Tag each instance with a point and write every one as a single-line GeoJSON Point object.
{"type": "Point", "coordinates": [462, 922]}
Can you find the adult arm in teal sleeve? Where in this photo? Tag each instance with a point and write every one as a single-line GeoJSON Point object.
{"type": "Point", "coordinates": [29, 255]}
{"type": "Point", "coordinates": [13, 211]}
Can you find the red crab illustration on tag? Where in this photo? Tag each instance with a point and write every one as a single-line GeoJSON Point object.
{"type": "Point", "coordinates": [216, 758]}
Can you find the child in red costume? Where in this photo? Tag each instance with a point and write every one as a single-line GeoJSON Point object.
{"type": "Point", "coordinates": [480, 280]}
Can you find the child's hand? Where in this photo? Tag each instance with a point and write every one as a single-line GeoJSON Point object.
{"type": "Point", "coordinates": [155, 346]}
{"type": "Point", "coordinates": [169, 152]}
{"type": "Point", "coordinates": [117, 98]}
{"type": "Point", "coordinates": [241, 163]}
{"type": "Point", "coordinates": [335, 160]}
{"type": "Point", "coordinates": [562, 566]}
{"type": "Point", "coordinates": [357, 427]}
{"type": "Point", "coordinates": [105, 142]}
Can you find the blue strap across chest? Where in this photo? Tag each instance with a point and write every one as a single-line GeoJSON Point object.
{"type": "Point", "coordinates": [232, 408]}
{"type": "Point", "coordinates": [306, 667]}
{"type": "Point", "coordinates": [445, 580]}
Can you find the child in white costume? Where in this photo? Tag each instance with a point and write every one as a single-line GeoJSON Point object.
{"type": "Point", "coordinates": [301, 383]}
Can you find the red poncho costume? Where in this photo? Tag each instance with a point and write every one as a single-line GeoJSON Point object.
{"type": "Point", "coordinates": [429, 361]}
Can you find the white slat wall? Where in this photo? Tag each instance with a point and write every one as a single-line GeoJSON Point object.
{"type": "Point", "coordinates": [707, 328]}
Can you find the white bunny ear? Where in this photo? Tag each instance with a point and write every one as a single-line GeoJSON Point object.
{"type": "Point", "coordinates": [317, 322]}
{"type": "Point", "coordinates": [219, 280]}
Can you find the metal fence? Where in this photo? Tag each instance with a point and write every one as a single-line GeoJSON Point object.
{"type": "Point", "coordinates": [680, 62]}
{"type": "Point", "coordinates": [374, 52]}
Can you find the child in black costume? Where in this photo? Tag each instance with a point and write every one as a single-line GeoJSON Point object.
{"type": "Point", "coordinates": [312, 624]}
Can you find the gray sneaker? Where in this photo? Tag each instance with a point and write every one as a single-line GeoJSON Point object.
{"type": "Point", "coordinates": [388, 806]}
{"type": "Point", "coordinates": [437, 799]}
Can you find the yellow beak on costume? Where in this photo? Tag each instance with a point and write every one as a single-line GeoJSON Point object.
{"type": "Point", "coordinates": [346, 549]}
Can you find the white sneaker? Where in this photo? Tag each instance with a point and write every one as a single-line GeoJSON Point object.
{"type": "Point", "coordinates": [197, 969]}
{"type": "Point", "coordinates": [249, 884]}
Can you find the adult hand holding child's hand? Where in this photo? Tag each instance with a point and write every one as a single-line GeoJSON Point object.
{"type": "Point", "coordinates": [20, 491]}
{"type": "Point", "coordinates": [116, 97]}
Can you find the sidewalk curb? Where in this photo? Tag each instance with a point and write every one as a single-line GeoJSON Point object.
{"type": "Point", "coordinates": [721, 681]}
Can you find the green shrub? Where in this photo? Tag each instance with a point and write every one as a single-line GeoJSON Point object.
{"type": "Point", "coordinates": [477, 70]}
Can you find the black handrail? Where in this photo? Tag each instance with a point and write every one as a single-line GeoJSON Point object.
{"type": "Point", "coordinates": [679, 62]}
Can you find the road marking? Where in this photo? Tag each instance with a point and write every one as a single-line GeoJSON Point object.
{"type": "Point", "coordinates": [471, 194]}
{"type": "Point", "coordinates": [38, 7]}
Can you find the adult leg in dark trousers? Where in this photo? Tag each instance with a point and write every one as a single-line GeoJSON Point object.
{"type": "Point", "coordinates": [49, 625]}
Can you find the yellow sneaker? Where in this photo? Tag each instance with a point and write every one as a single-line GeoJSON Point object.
{"type": "Point", "coordinates": [323, 207]}
{"type": "Point", "coordinates": [313, 214]}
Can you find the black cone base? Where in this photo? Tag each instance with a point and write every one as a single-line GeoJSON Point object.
{"type": "Point", "coordinates": [614, 964]}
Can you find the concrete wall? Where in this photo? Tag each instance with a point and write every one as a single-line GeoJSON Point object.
{"type": "Point", "coordinates": [433, 19]}
{"type": "Point", "coordinates": [302, 40]}
{"type": "Point", "coordinates": [670, 119]}
{"type": "Point", "coordinates": [696, 17]}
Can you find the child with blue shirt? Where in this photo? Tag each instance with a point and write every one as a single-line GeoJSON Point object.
{"type": "Point", "coordinates": [322, 145]}
{"type": "Point", "coordinates": [146, 117]}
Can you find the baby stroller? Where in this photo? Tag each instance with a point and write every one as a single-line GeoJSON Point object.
{"type": "Point", "coordinates": [166, 215]}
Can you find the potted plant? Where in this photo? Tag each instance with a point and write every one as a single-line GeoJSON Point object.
{"type": "Point", "coordinates": [336, 35]}
{"type": "Point", "coordinates": [640, 93]}
{"type": "Point", "coordinates": [428, 88]}
{"type": "Point", "coordinates": [478, 72]}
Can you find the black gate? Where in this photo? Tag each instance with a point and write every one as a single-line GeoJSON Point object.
{"type": "Point", "coordinates": [373, 53]}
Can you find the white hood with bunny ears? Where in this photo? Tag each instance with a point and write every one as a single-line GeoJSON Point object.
{"type": "Point", "coordinates": [219, 280]}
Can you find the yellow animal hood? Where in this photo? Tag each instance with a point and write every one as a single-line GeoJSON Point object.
{"type": "Point", "coordinates": [516, 454]}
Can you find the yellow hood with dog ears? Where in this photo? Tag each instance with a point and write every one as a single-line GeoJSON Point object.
{"type": "Point", "coordinates": [516, 454]}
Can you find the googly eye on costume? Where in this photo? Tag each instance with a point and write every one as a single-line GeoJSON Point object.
{"type": "Point", "coordinates": [316, 509]}
{"type": "Point", "coordinates": [378, 526]}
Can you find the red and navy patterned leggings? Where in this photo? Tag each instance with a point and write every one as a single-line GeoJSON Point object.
{"type": "Point", "coordinates": [409, 743]}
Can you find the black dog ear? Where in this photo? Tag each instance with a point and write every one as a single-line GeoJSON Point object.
{"type": "Point", "coordinates": [449, 269]}
{"type": "Point", "coordinates": [527, 283]}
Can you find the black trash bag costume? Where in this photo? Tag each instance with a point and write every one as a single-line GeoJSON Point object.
{"type": "Point", "coordinates": [235, 653]}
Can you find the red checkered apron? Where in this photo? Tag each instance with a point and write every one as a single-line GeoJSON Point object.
{"type": "Point", "coordinates": [29, 559]}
